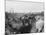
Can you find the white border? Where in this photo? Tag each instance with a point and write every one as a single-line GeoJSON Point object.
{"type": "Point", "coordinates": [2, 20]}
{"type": "Point", "coordinates": [32, 0]}
{"type": "Point", "coordinates": [28, 0]}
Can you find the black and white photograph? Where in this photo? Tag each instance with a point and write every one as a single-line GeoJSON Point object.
{"type": "Point", "coordinates": [24, 17]}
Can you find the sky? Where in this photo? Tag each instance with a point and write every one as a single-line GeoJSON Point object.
{"type": "Point", "coordinates": [24, 6]}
